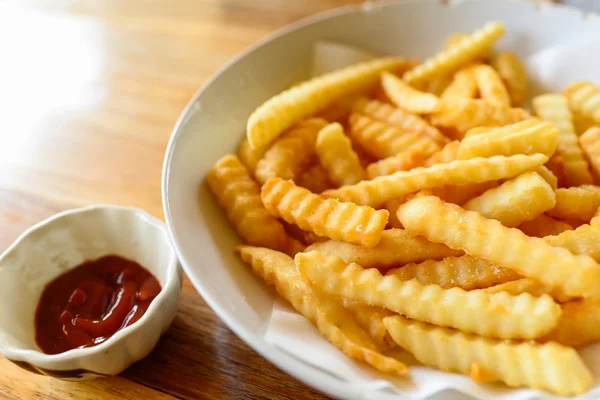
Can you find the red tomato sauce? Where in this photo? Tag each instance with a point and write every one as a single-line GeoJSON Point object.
{"type": "Point", "coordinates": [90, 303]}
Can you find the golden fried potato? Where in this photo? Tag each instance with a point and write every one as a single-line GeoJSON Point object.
{"type": "Point", "coordinates": [404, 161]}
{"type": "Point", "coordinates": [406, 97]}
{"type": "Point", "coordinates": [584, 98]}
{"type": "Point", "coordinates": [478, 131]}
{"type": "Point", "coordinates": [498, 315]}
{"type": "Point", "coordinates": [460, 194]}
{"type": "Point", "coordinates": [445, 155]}
{"type": "Point", "coordinates": [239, 196]}
{"type": "Point", "coordinates": [490, 85]}
{"type": "Point", "coordinates": [464, 272]}
{"type": "Point", "coordinates": [397, 117]}
{"type": "Point", "coordinates": [583, 240]}
{"type": "Point", "coordinates": [578, 203]}
{"type": "Point", "coordinates": [465, 114]}
{"type": "Point", "coordinates": [531, 286]}
{"type": "Point", "coordinates": [383, 188]}
{"type": "Point", "coordinates": [463, 86]}
{"type": "Point", "coordinates": [513, 73]}
{"type": "Point", "coordinates": [291, 152]}
{"type": "Point", "coordinates": [543, 226]}
{"type": "Point", "coordinates": [452, 58]}
{"type": "Point", "coordinates": [326, 217]}
{"type": "Point", "coordinates": [382, 140]}
{"type": "Point", "coordinates": [337, 156]}
{"type": "Point", "coordinates": [330, 317]}
{"type": "Point", "coordinates": [551, 366]}
{"type": "Point", "coordinates": [249, 156]}
{"type": "Point", "coordinates": [582, 123]}
{"type": "Point", "coordinates": [554, 108]}
{"type": "Point", "coordinates": [527, 137]}
{"type": "Point", "coordinates": [548, 176]}
{"type": "Point", "coordinates": [576, 275]}
{"type": "Point", "coordinates": [315, 179]}
{"type": "Point", "coordinates": [371, 320]}
{"type": "Point", "coordinates": [290, 106]}
{"type": "Point", "coordinates": [518, 200]}
{"type": "Point", "coordinates": [579, 324]}
{"type": "Point", "coordinates": [590, 144]}
{"type": "Point", "coordinates": [437, 85]}
{"type": "Point", "coordinates": [396, 248]}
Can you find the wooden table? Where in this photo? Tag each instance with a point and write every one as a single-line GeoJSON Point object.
{"type": "Point", "coordinates": [89, 93]}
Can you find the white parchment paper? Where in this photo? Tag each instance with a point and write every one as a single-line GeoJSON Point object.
{"type": "Point", "coordinates": [549, 70]}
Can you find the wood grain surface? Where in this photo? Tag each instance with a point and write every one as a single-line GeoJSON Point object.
{"type": "Point", "coordinates": [89, 93]}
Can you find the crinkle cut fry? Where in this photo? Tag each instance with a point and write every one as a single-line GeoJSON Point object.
{"type": "Point", "coordinates": [283, 110]}
{"type": "Point", "coordinates": [239, 196]}
{"type": "Point", "coordinates": [513, 74]}
{"type": "Point", "coordinates": [337, 156]}
{"type": "Point", "coordinates": [331, 318]}
{"type": "Point", "coordinates": [468, 49]}
{"type": "Point", "coordinates": [465, 272]}
{"type": "Point", "coordinates": [383, 188]}
{"type": "Point", "coordinates": [499, 315]}
{"type": "Point", "coordinates": [549, 366]}
{"type": "Point", "coordinates": [576, 275]}
{"type": "Point", "coordinates": [326, 217]}
{"type": "Point", "coordinates": [584, 98]}
{"type": "Point", "coordinates": [396, 247]}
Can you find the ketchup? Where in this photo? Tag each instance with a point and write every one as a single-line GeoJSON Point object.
{"type": "Point", "coordinates": [90, 303]}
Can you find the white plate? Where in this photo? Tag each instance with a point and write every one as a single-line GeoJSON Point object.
{"type": "Point", "coordinates": [214, 121]}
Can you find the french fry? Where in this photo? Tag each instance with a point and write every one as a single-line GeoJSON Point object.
{"type": "Point", "coordinates": [585, 239]}
{"type": "Point", "coordinates": [290, 106]}
{"type": "Point", "coordinates": [337, 156]}
{"type": "Point", "coordinates": [239, 196]}
{"type": "Point", "coordinates": [576, 275]}
{"type": "Point", "coordinates": [406, 97]}
{"type": "Point", "coordinates": [584, 98]}
{"type": "Point", "coordinates": [579, 324]}
{"type": "Point", "coordinates": [460, 194]}
{"type": "Point", "coordinates": [383, 188]}
{"type": "Point", "coordinates": [554, 108]}
{"type": "Point", "coordinates": [478, 131]}
{"type": "Point", "coordinates": [463, 86]}
{"type": "Point", "coordinates": [490, 85]}
{"type": "Point", "coordinates": [456, 37]}
{"type": "Point", "coordinates": [382, 140]}
{"type": "Point", "coordinates": [582, 123]}
{"type": "Point", "coordinates": [396, 248]}
{"type": "Point", "coordinates": [445, 155]}
{"type": "Point", "coordinates": [543, 226]}
{"type": "Point", "coordinates": [392, 206]}
{"type": "Point", "coordinates": [438, 84]}
{"type": "Point", "coordinates": [452, 58]}
{"type": "Point", "coordinates": [526, 137]}
{"type": "Point", "coordinates": [531, 286]}
{"type": "Point", "coordinates": [315, 179]}
{"type": "Point", "coordinates": [371, 320]}
{"type": "Point", "coordinates": [518, 200]}
{"type": "Point", "coordinates": [326, 217]}
{"type": "Point", "coordinates": [404, 161]}
{"type": "Point", "coordinates": [556, 165]}
{"type": "Point", "coordinates": [330, 317]}
{"type": "Point", "coordinates": [291, 152]}
{"type": "Point", "coordinates": [498, 315]}
{"type": "Point", "coordinates": [340, 110]}
{"type": "Point", "coordinates": [578, 203]}
{"type": "Point", "coordinates": [249, 156]}
{"type": "Point", "coordinates": [464, 272]}
{"type": "Point", "coordinates": [548, 176]}
{"type": "Point", "coordinates": [590, 144]}
{"type": "Point", "coordinates": [549, 366]}
{"type": "Point", "coordinates": [512, 72]}
{"type": "Point", "coordinates": [465, 114]}
{"type": "Point", "coordinates": [397, 117]}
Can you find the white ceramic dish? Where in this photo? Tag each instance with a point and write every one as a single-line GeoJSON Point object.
{"type": "Point", "coordinates": [215, 119]}
{"type": "Point", "coordinates": [62, 242]}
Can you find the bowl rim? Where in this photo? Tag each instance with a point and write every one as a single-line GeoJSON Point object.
{"type": "Point", "coordinates": [308, 374]}
{"type": "Point", "coordinates": [39, 358]}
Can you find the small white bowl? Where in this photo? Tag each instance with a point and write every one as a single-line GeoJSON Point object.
{"type": "Point", "coordinates": [59, 244]}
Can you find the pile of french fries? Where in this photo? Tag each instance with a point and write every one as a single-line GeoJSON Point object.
{"type": "Point", "coordinates": [396, 203]}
